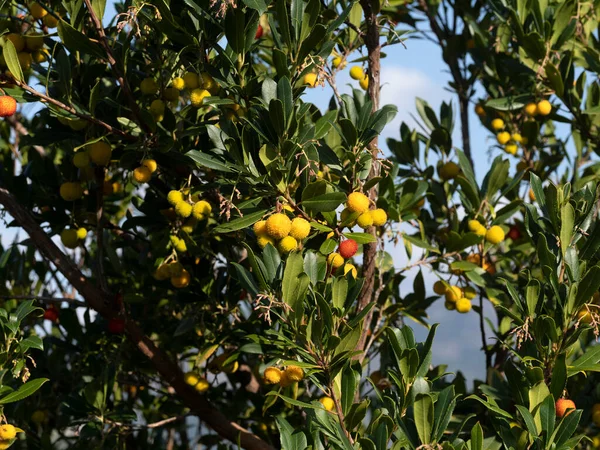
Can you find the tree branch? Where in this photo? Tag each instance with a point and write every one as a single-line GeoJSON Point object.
{"type": "Point", "coordinates": [101, 301]}
{"type": "Point", "coordinates": [44, 299]}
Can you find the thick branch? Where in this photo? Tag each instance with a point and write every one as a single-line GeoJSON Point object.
{"type": "Point", "coordinates": [100, 301]}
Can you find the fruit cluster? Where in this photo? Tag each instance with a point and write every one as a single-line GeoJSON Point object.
{"type": "Point", "coordinates": [494, 235]}
{"type": "Point", "coordinates": [358, 212]}
{"type": "Point", "coordinates": [457, 298]}
{"type": "Point", "coordinates": [199, 383]}
{"type": "Point", "coordinates": [70, 237]}
{"type": "Point", "coordinates": [199, 210]}
{"type": "Point", "coordinates": [8, 434]}
{"type": "Point", "coordinates": [180, 278]}
{"type": "Point", "coordinates": [281, 232]}
{"type": "Point", "coordinates": [143, 173]}
{"type": "Point", "coordinates": [284, 378]}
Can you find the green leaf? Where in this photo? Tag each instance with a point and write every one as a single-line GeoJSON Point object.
{"type": "Point", "coordinates": [325, 202]}
{"type": "Point", "coordinates": [361, 238]}
{"type": "Point", "coordinates": [258, 5]}
{"type": "Point", "coordinates": [423, 411]}
{"type": "Point", "coordinates": [476, 437]}
{"type": "Point", "coordinates": [567, 427]}
{"type": "Point", "coordinates": [350, 383]}
{"type": "Point", "coordinates": [588, 359]}
{"type": "Point", "coordinates": [76, 41]}
{"type": "Point", "coordinates": [12, 61]}
{"type": "Point", "coordinates": [567, 224]}
{"type": "Point", "coordinates": [444, 406]}
{"type": "Point", "coordinates": [559, 377]}
{"type": "Point", "coordinates": [24, 391]}
{"type": "Point", "coordinates": [31, 342]}
{"type": "Point", "coordinates": [339, 292]}
{"type": "Point", "coordinates": [99, 6]}
{"type": "Point", "coordinates": [528, 418]}
{"type": "Point", "coordinates": [240, 223]}
{"type": "Point", "coordinates": [294, 266]}
{"type": "Point", "coordinates": [205, 160]}
{"type": "Point", "coordinates": [547, 414]}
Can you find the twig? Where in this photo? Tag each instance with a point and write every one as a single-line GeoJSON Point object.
{"type": "Point", "coordinates": [99, 174]}
{"type": "Point", "coordinates": [44, 299]}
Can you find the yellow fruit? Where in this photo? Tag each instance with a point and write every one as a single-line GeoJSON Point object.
{"type": "Point", "coordinates": [357, 202]}
{"type": "Point", "coordinates": [191, 378]}
{"type": "Point", "coordinates": [157, 109]}
{"type": "Point", "coordinates": [511, 149]}
{"type": "Point", "coordinates": [171, 94]}
{"type": "Point", "coordinates": [201, 210]}
{"type": "Point", "coordinates": [272, 375]}
{"type": "Point", "coordinates": [189, 225]}
{"type": "Point", "coordinates": [294, 373]}
{"type": "Point", "coordinates": [287, 244]}
{"type": "Point", "coordinates": [439, 287]}
{"type": "Point", "coordinates": [17, 40]}
{"type": "Point", "coordinates": [207, 81]}
{"type": "Point", "coordinates": [335, 260]}
{"type": "Point", "coordinates": [494, 235]}
{"type": "Point", "coordinates": [453, 293]}
{"type": "Point", "coordinates": [142, 174]}
{"type": "Point", "coordinates": [81, 159]}
{"type": "Point", "coordinates": [7, 432]}
{"type": "Point", "coordinates": [338, 62]}
{"type": "Point", "coordinates": [71, 191]}
{"type": "Point", "coordinates": [181, 280]}
{"type": "Point", "coordinates": [25, 60]}
{"type": "Point", "coordinates": [516, 137]}
{"type": "Point", "coordinates": [162, 272]}
{"type": "Point", "coordinates": [364, 83]}
{"type": "Point", "coordinates": [150, 164]}
{"type": "Point", "coordinates": [278, 226]}
{"type": "Point", "coordinates": [264, 240]}
{"type": "Point", "coordinates": [365, 220]}
{"type": "Point", "coordinates": [584, 316]}
{"type": "Point", "coordinates": [300, 228]}
{"type": "Point", "coordinates": [34, 41]}
{"type": "Point", "coordinates": [69, 238]}
{"type": "Point", "coordinates": [50, 21]}
{"type": "Point", "coordinates": [178, 83]}
{"type": "Point", "coordinates": [327, 403]}
{"type": "Point", "coordinates": [39, 56]}
{"type": "Point", "coordinates": [311, 79]}
{"type": "Point", "coordinates": [148, 86]}
{"type": "Point", "coordinates": [191, 80]}
{"type": "Point", "coordinates": [37, 11]}
{"type": "Point", "coordinates": [197, 97]}
{"type": "Point", "coordinates": [449, 170]}
{"type": "Point", "coordinates": [474, 225]}
{"type": "Point", "coordinates": [39, 417]}
{"type": "Point", "coordinates": [463, 305]}
{"type": "Point", "coordinates": [81, 233]}
{"type": "Point", "coordinates": [357, 73]}
{"type": "Point", "coordinates": [544, 107]}
{"type": "Point", "coordinates": [183, 209]}
{"type": "Point", "coordinates": [100, 153]}
{"type": "Point", "coordinates": [531, 195]}
{"type": "Point", "coordinates": [202, 386]}
{"type": "Point", "coordinates": [497, 124]}
{"type": "Point", "coordinates": [260, 228]}
{"type": "Point", "coordinates": [350, 268]}
{"type": "Point", "coordinates": [379, 217]}
{"type": "Point", "coordinates": [531, 109]}
{"type": "Point", "coordinates": [174, 197]}
{"type": "Point", "coordinates": [479, 110]}
{"type": "Point", "coordinates": [470, 293]}
{"type": "Point", "coordinates": [503, 137]}
{"type": "Point", "coordinates": [450, 306]}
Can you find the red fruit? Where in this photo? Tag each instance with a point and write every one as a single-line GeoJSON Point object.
{"type": "Point", "coordinates": [8, 106]}
{"type": "Point", "coordinates": [348, 248]}
{"type": "Point", "coordinates": [51, 314]}
{"type": "Point", "coordinates": [562, 405]}
{"type": "Point", "coordinates": [259, 32]}
{"type": "Point", "coordinates": [514, 233]}
{"type": "Point", "coordinates": [116, 326]}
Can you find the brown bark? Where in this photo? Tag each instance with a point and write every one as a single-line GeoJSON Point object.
{"type": "Point", "coordinates": [102, 301]}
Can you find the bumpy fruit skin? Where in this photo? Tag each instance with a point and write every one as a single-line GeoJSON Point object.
{"type": "Point", "coordinates": [531, 109]}
{"type": "Point", "coordinates": [379, 217]}
{"type": "Point", "coordinates": [69, 238]}
{"type": "Point", "coordinates": [327, 403]}
{"type": "Point", "coordinates": [201, 210]}
{"type": "Point", "coordinates": [191, 80]}
{"type": "Point", "coordinates": [141, 174]}
{"type": "Point", "coordinates": [150, 164]}
{"type": "Point", "coordinates": [503, 137]}
{"type": "Point", "coordinates": [348, 248]}
{"type": "Point", "coordinates": [463, 305]}
{"type": "Point", "coordinates": [562, 405]}
{"type": "Point", "coordinates": [494, 235]}
{"type": "Point", "coordinates": [260, 228]}
{"type": "Point", "coordinates": [453, 294]}
{"type": "Point", "coordinates": [81, 159]}
{"type": "Point", "coordinates": [350, 268]}
{"type": "Point", "coordinates": [300, 228]}
{"type": "Point", "coordinates": [497, 124]}
{"type": "Point", "coordinates": [100, 153]}
{"type": "Point", "coordinates": [148, 86]}
{"type": "Point", "coordinates": [357, 202]}
{"type": "Point", "coordinates": [335, 260]}
{"type": "Point", "coordinates": [365, 220]}
{"type": "Point", "coordinates": [474, 225]}
{"type": "Point", "coordinates": [338, 62]}
{"type": "Point", "coordinates": [287, 244]}
{"type": "Point", "coordinates": [116, 326]}
{"type": "Point", "coordinates": [357, 73]}
{"type": "Point", "coordinates": [516, 137]}
{"type": "Point", "coordinates": [439, 287]}
{"type": "Point", "coordinates": [178, 83]}
{"type": "Point", "coordinates": [197, 97]}
{"type": "Point", "coordinates": [511, 149]}
{"type": "Point", "coordinates": [191, 378]}
{"type": "Point", "coordinates": [264, 240]}
{"type": "Point", "coordinates": [544, 107]}
{"type": "Point", "coordinates": [174, 197]}
{"type": "Point", "coordinates": [278, 226]}
{"type": "Point", "coordinates": [181, 280]}
{"type": "Point", "coordinates": [81, 233]}
{"type": "Point", "coordinates": [294, 373]}
{"type": "Point", "coordinates": [183, 209]}
{"type": "Point", "coordinates": [7, 432]}
{"type": "Point", "coordinates": [272, 375]}
{"type": "Point", "coordinates": [202, 386]}
{"type": "Point", "coordinates": [449, 170]}
{"type": "Point", "coordinates": [8, 106]}
{"type": "Point", "coordinates": [311, 79]}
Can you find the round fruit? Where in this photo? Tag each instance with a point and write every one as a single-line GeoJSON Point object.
{"type": "Point", "coordinates": [174, 197]}
{"type": "Point", "coordinates": [278, 226]}
{"type": "Point", "coordinates": [264, 240]}
{"type": "Point", "coordinates": [350, 268]}
{"type": "Point", "coordinates": [207, 81]}
{"type": "Point", "coordinates": [311, 79]}
{"type": "Point", "coordinates": [150, 164]}
{"type": "Point", "coordinates": [25, 60]}
{"type": "Point", "coordinates": [181, 279]}
{"type": "Point", "coordinates": [201, 210]}
{"type": "Point", "coordinates": [503, 137]}
{"type": "Point", "coordinates": [365, 220]}
{"type": "Point", "coordinates": [474, 225]}
{"type": "Point", "coordinates": [178, 83]}
{"type": "Point", "coordinates": [348, 248]}
{"type": "Point", "coordinates": [171, 94]}
{"type": "Point", "coordinates": [39, 56]}
{"type": "Point", "coordinates": [8, 106]}
{"type": "Point", "coordinates": [39, 416]}
{"type": "Point", "coordinates": [453, 293]}
{"type": "Point", "coordinates": [191, 378]}
{"type": "Point", "coordinates": [157, 109]}
{"type": "Point", "coordinates": [7, 432]}
{"type": "Point", "coordinates": [516, 137]}
{"type": "Point", "coordinates": [202, 385]}
{"type": "Point", "coordinates": [300, 228]}
{"type": "Point", "coordinates": [116, 326]}
{"type": "Point", "coordinates": [260, 228]}
{"type": "Point", "coordinates": [197, 97]}
{"type": "Point", "coordinates": [450, 306]}
{"type": "Point", "coordinates": [17, 40]}
{"type": "Point", "coordinates": [364, 83]}
{"type": "Point", "coordinates": [357, 202]}
{"type": "Point", "coordinates": [37, 11]}
{"type": "Point", "coordinates": [479, 110]}
{"type": "Point", "coordinates": [287, 244]}
{"type": "Point", "coordinates": [497, 124]}
{"type": "Point", "coordinates": [259, 32]}
{"type": "Point", "coordinates": [584, 316]}
{"type": "Point", "coordinates": [71, 191]}
{"type": "Point", "coordinates": [190, 80]}
{"type": "Point", "coordinates": [335, 260]}
{"type": "Point", "coordinates": [81, 233]}
{"type": "Point", "coordinates": [379, 217]}
{"type": "Point", "coordinates": [142, 174]}
{"type": "Point", "coordinates": [563, 407]}
{"type": "Point", "coordinates": [338, 62]}
{"type": "Point", "coordinates": [81, 159]}
{"type": "Point", "coordinates": [357, 73]}
{"type": "Point", "coordinates": [544, 107]}
{"type": "Point", "coordinates": [439, 287]}
{"type": "Point", "coordinates": [69, 238]}
{"type": "Point", "coordinates": [51, 314]}
{"type": "Point", "coordinates": [511, 149]}
{"type": "Point", "coordinates": [531, 109]}
{"type": "Point", "coordinates": [272, 375]}
{"type": "Point", "coordinates": [494, 235]}
{"type": "Point", "coordinates": [294, 373]}
{"type": "Point", "coordinates": [100, 153]}
{"type": "Point", "coordinates": [449, 170]}
{"type": "Point", "coordinates": [470, 293]}
{"type": "Point", "coordinates": [34, 41]}
{"type": "Point", "coordinates": [327, 403]}
{"type": "Point", "coordinates": [50, 21]}
{"type": "Point", "coordinates": [148, 86]}
{"type": "Point", "coordinates": [183, 209]}
{"type": "Point", "coordinates": [514, 233]}
{"type": "Point", "coordinates": [463, 305]}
